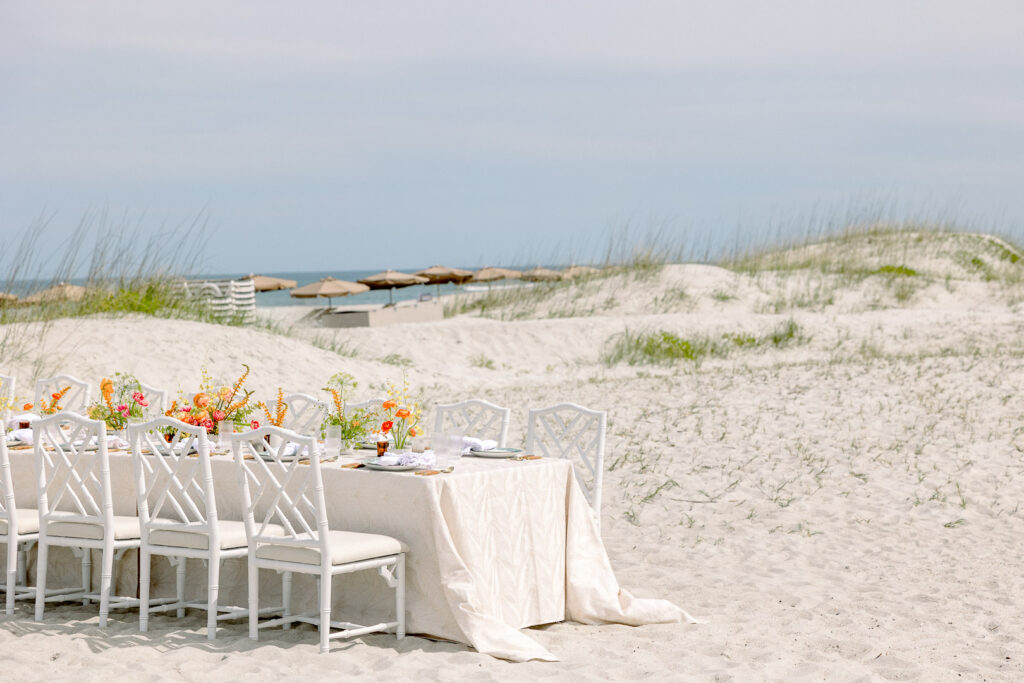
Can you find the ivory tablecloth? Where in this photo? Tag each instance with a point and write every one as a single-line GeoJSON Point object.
{"type": "Point", "coordinates": [494, 547]}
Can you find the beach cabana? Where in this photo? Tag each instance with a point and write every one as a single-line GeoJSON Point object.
{"type": "Point", "coordinates": [266, 283]}
{"type": "Point", "coordinates": [392, 279]}
{"type": "Point", "coordinates": [328, 288]}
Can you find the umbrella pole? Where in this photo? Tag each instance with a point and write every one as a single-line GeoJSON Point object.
{"type": "Point", "coordinates": [438, 290]}
{"type": "Point", "coordinates": [391, 296]}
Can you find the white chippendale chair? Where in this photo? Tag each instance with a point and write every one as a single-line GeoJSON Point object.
{"type": "Point", "coordinates": [282, 486]}
{"type": "Point", "coordinates": [178, 516]}
{"type": "Point", "coordinates": [371, 405]}
{"type": "Point", "coordinates": [476, 417]}
{"type": "Point", "coordinates": [7, 383]}
{"type": "Point", "coordinates": [75, 401]}
{"type": "Point", "coordinates": [76, 505]}
{"type": "Point", "coordinates": [19, 529]}
{"type": "Point", "coordinates": [156, 398]}
{"type": "Point", "coordinates": [573, 433]}
{"type": "Point", "coordinates": [305, 413]}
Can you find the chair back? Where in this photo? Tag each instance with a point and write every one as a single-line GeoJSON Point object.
{"type": "Point", "coordinates": [305, 413]}
{"type": "Point", "coordinates": [173, 479]}
{"type": "Point", "coordinates": [75, 401]}
{"type": "Point", "coordinates": [156, 398]}
{"type": "Point", "coordinates": [72, 470]}
{"type": "Point", "coordinates": [7, 505]}
{"type": "Point", "coordinates": [6, 396]}
{"type": "Point", "coordinates": [476, 417]}
{"type": "Point", "coordinates": [372, 405]}
{"type": "Point", "coordinates": [278, 489]}
{"type": "Point", "coordinates": [573, 433]}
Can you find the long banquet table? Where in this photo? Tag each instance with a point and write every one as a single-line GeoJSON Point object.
{"type": "Point", "coordinates": [494, 547]}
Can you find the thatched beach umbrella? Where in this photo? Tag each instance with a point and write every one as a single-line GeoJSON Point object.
{"type": "Point", "coordinates": [266, 283]}
{"type": "Point", "coordinates": [491, 274]}
{"type": "Point", "coordinates": [440, 275]}
{"type": "Point", "coordinates": [539, 274]}
{"type": "Point", "coordinates": [328, 288]}
{"type": "Point", "coordinates": [6, 298]}
{"type": "Point", "coordinates": [61, 291]}
{"type": "Point", "coordinates": [390, 279]}
{"type": "Point", "coordinates": [579, 271]}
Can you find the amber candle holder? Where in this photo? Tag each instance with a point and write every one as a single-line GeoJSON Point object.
{"type": "Point", "coordinates": [382, 447]}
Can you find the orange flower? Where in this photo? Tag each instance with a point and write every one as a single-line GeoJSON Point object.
{"type": "Point", "coordinates": [27, 406]}
{"type": "Point", "coordinates": [402, 413]}
{"type": "Point", "coordinates": [412, 431]}
{"type": "Point", "coordinates": [388, 405]}
{"type": "Point", "coordinates": [202, 400]}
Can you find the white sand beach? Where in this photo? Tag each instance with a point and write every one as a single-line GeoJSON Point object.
{"type": "Point", "coordinates": [841, 502]}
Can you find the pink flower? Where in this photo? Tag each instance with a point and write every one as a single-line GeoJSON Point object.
{"type": "Point", "coordinates": [208, 424]}
{"type": "Point", "coordinates": [255, 424]}
{"type": "Point", "coordinates": [187, 409]}
{"type": "Point", "coordinates": [139, 398]}
{"type": "Point", "coordinates": [218, 415]}
{"type": "Point", "coordinates": [123, 409]}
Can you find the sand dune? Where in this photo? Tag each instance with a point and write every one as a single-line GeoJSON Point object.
{"type": "Point", "coordinates": [842, 506]}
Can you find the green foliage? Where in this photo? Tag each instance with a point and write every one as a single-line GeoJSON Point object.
{"type": "Point", "coordinates": [396, 359]}
{"type": "Point", "coordinates": [665, 348]}
{"type": "Point", "coordinates": [482, 361]}
{"type": "Point", "coordinates": [896, 271]}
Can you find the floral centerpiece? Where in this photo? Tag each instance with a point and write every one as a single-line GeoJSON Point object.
{"type": "Point", "coordinates": [53, 406]}
{"type": "Point", "coordinates": [351, 425]}
{"type": "Point", "coordinates": [280, 410]}
{"type": "Point", "coordinates": [401, 415]}
{"type": "Point", "coordinates": [122, 399]}
{"type": "Point", "coordinates": [216, 406]}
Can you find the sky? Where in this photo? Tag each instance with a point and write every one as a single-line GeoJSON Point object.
{"type": "Point", "coordinates": [360, 135]}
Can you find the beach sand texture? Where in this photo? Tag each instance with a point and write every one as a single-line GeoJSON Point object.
{"type": "Point", "coordinates": [842, 502]}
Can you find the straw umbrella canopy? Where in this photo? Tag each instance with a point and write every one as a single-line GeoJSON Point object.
{"type": "Point", "coordinates": [390, 279]}
{"type": "Point", "coordinates": [61, 291]}
{"type": "Point", "coordinates": [539, 274]}
{"type": "Point", "coordinates": [491, 274]}
{"type": "Point", "coordinates": [265, 283]}
{"type": "Point", "coordinates": [579, 271]}
{"type": "Point", "coordinates": [328, 288]}
{"type": "Point", "coordinates": [439, 275]}
{"type": "Point", "coordinates": [6, 298]}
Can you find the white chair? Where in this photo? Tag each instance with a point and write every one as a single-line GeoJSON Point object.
{"type": "Point", "coordinates": [372, 405]}
{"type": "Point", "coordinates": [19, 529]}
{"type": "Point", "coordinates": [573, 433]}
{"type": "Point", "coordinates": [280, 490]}
{"type": "Point", "coordinates": [6, 396]}
{"type": "Point", "coordinates": [156, 398]}
{"type": "Point", "coordinates": [76, 506]}
{"type": "Point", "coordinates": [75, 401]}
{"type": "Point", "coordinates": [178, 516]}
{"type": "Point", "coordinates": [305, 413]}
{"type": "Point", "coordinates": [476, 417]}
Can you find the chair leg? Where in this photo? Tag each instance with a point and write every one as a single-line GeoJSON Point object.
{"type": "Point", "coordinates": [86, 573]}
{"type": "Point", "coordinates": [254, 598]}
{"type": "Point", "coordinates": [213, 589]}
{"type": "Point", "coordinates": [145, 561]}
{"type": "Point", "coordinates": [12, 573]}
{"type": "Point", "coordinates": [22, 566]}
{"type": "Point", "coordinates": [179, 590]}
{"type": "Point", "coordinates": [400, 596]}
{"type": "Point", "coordinates": [325, 612]}
{"type": "Point", "coordinates": [41, 579]}
{"type": "Point", "coordinates": [286, 596]}
{"type": "Point", "coordinates": [106, 575]}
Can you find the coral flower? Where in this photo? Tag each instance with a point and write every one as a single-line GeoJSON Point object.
{"type": "Point", "coordinates": [27, 406]}
{"type": "Point", "coordinates": [386, 426]}
{"type": "Point", "coordinates": [187, 409]}
{"type": "Point", "coordinates": [123, 409]}
{"type": "Point", "coordinates": [208, 424]}
{"type": "Point", "coordinates": [55, 397]}
{"type": "Point", "coordinates": [255, 424]}
{"type": "Point", "coordinates": [202, 400]}
{"type": "Point", "coordinates": [218, 415]}
{"type": "Point", "coordinates": [202, 415]}
{"type": "Point", "coordinates": [139, 398]}
{"type": "Point", "coordinates": [412, 432]}
{"type": "Point", "coordinates": [402, 413]}
{"type": "Point", "coordinates": [388, 405]}
{"type": "Point", "coordinates": [225, 393]}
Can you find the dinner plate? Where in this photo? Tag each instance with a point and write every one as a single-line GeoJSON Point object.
{"type": "Point", "coordinates": [496, 452]}
{"type": "Point", "coordinates": [373, 465]}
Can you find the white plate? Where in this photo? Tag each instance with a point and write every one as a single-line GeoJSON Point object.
{"type": "Point", "coordinates": [496, 452]}
{"type": "Point", "coordinates": [371, 464]}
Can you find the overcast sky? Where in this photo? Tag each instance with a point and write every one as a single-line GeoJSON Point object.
{"type": "Point", "coordinates": [339, 135]}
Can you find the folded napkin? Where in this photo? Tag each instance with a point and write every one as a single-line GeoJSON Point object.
{"type": "Point", "coordinates": [472, 443]}
{"type": "Point", "coordinates": [17, 419]}
{"type": "Point", "coordinates": [22, 435]}
{"type": "Point", "coordinates": [424, 459]}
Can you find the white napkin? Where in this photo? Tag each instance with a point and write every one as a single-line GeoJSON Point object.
{"type": "Point", "coordinates": [25, 417]}
{"type": "Point", "coordinates": [472, 443]}
{"type": "Point", "coordinates": [424, 459]}
{"type": "Point", "coordinates": [22, 435]}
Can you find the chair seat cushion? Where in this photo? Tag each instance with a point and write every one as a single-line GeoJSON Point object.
{"type": "Point", "coordinates": [28, 521]}
{"type": "Point", "coordinates": [124, 528]}
{"type": "Point", "coordinates": [346, 546]}
{"type": "Point", "coordinates": [232, 535]}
